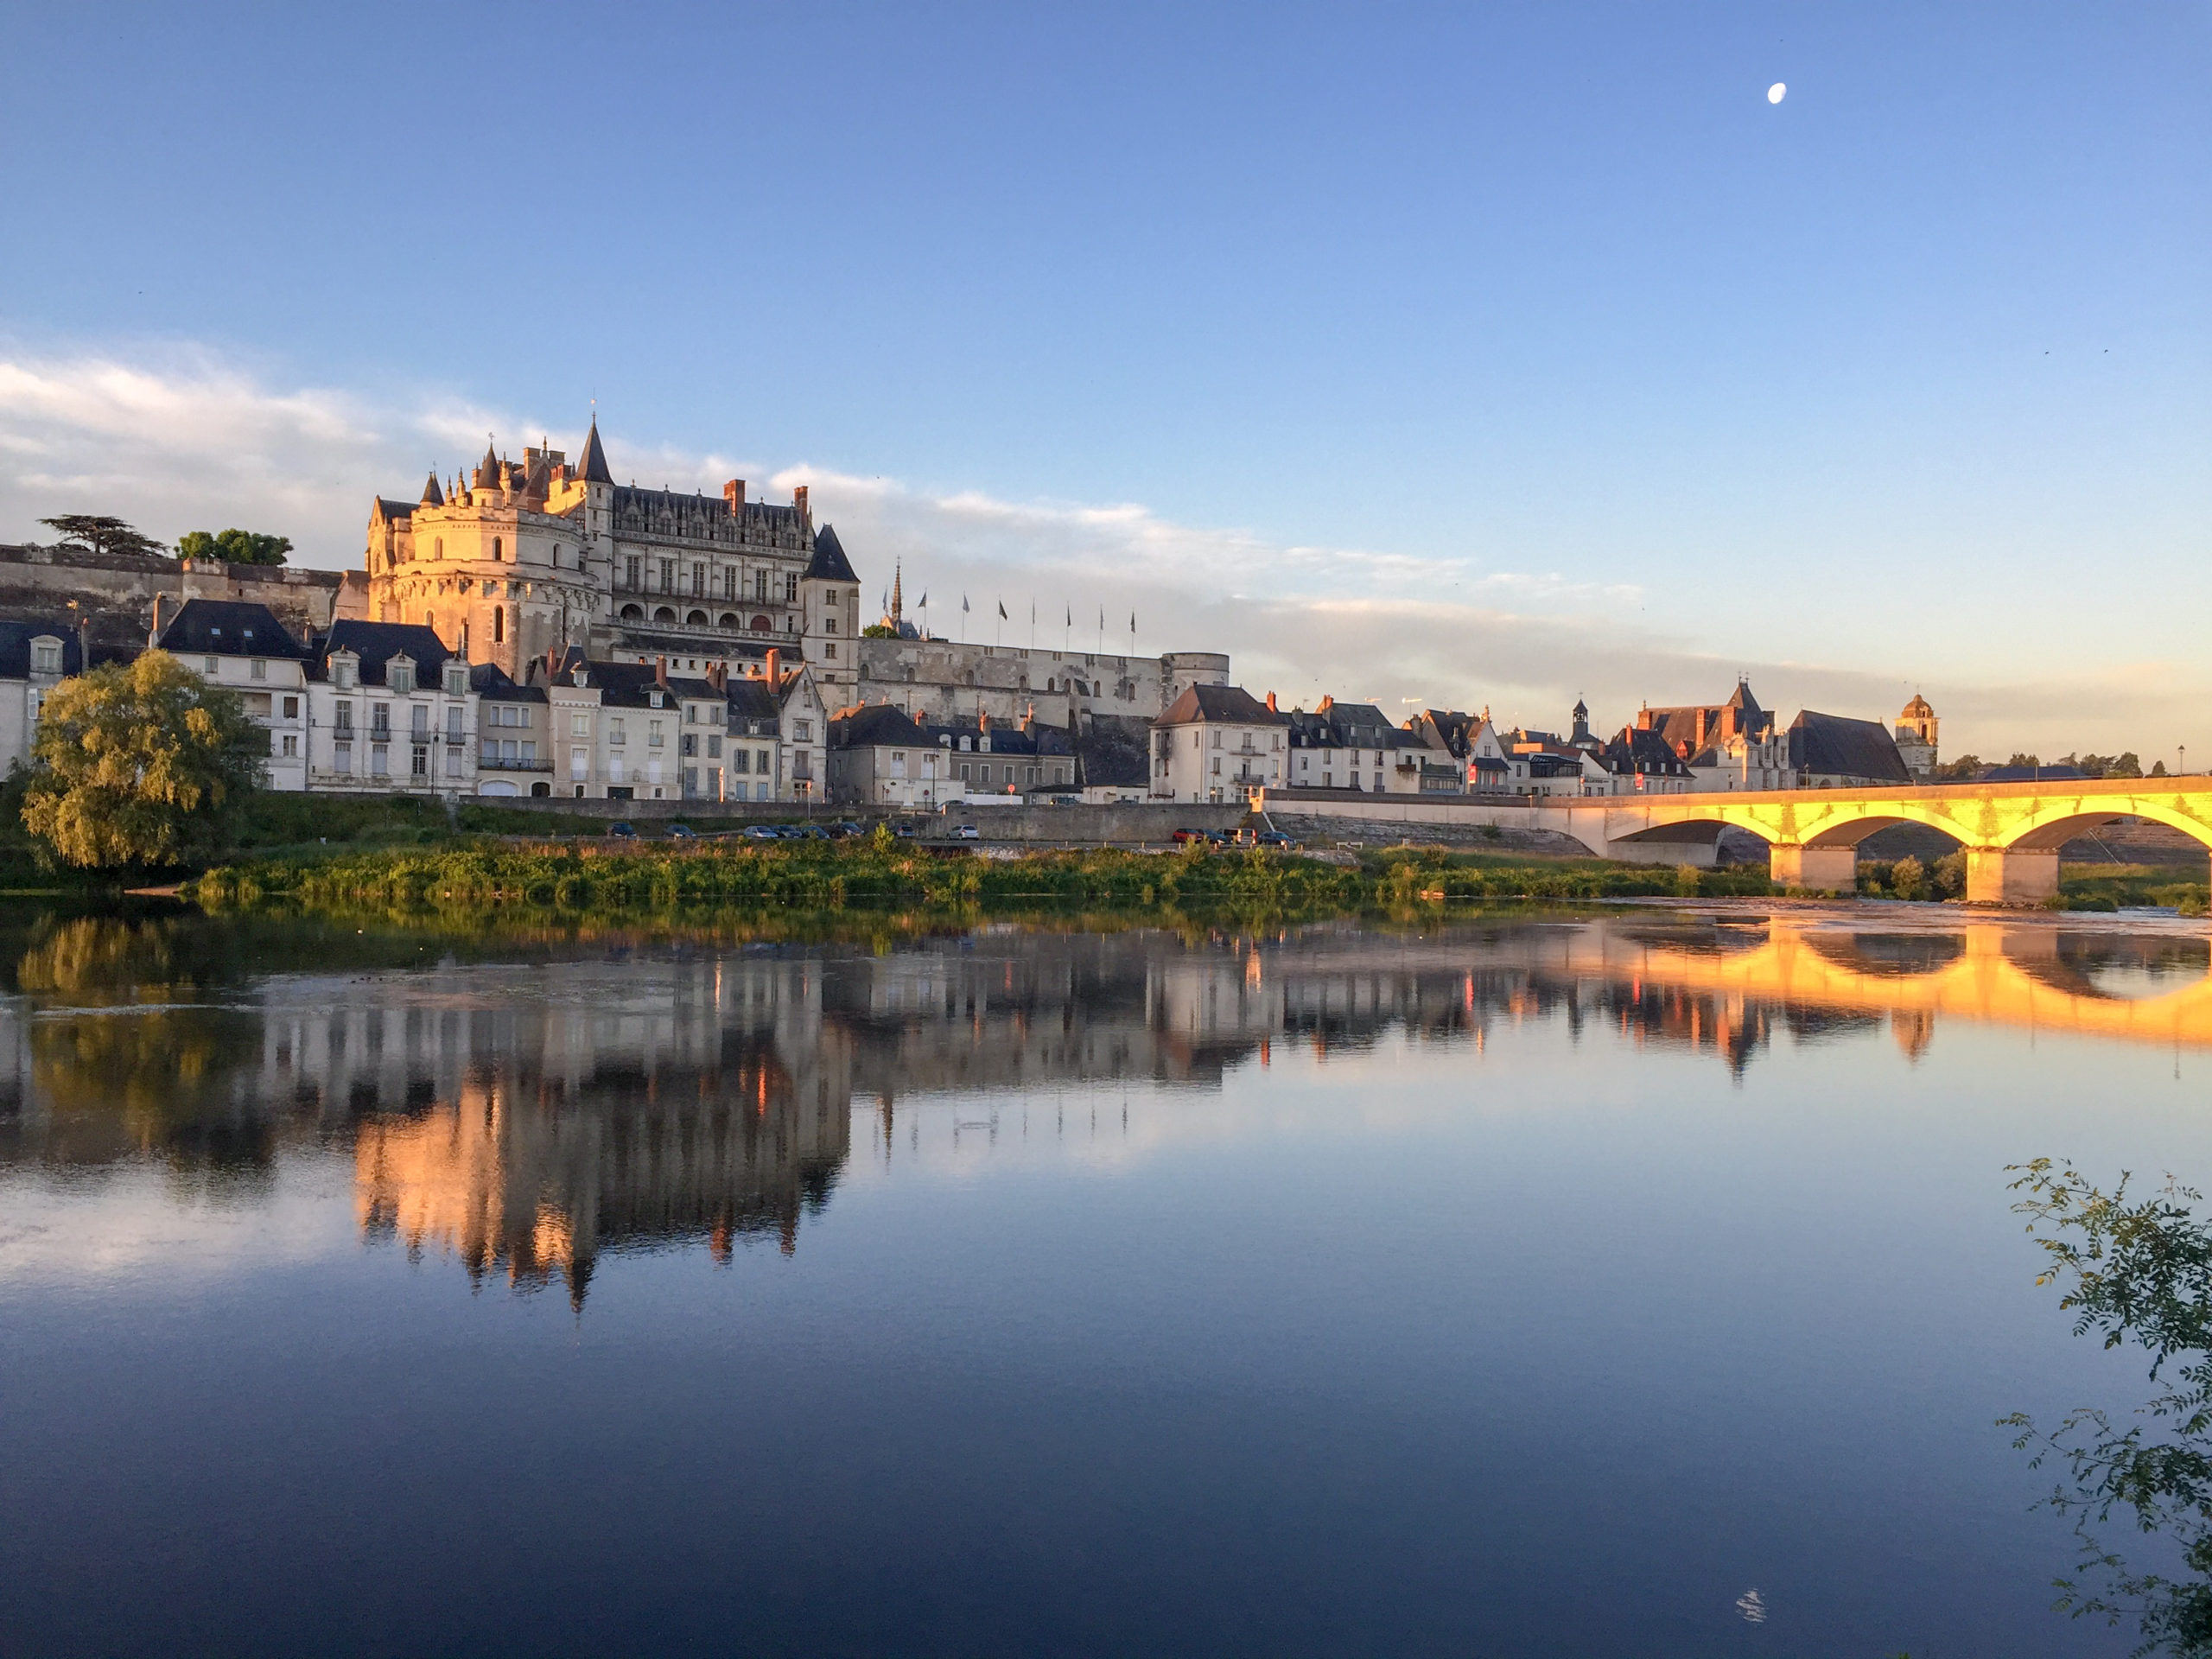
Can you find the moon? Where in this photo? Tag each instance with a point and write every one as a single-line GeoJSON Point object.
{"type": "Point", "coordinates": [1776, 92]}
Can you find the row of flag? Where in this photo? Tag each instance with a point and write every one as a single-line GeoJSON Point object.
{"type": "Point", "coordinates": [924, 605]}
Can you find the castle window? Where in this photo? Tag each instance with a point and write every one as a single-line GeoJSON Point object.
{"type": "Point", "coordinates": [728, 620]}
{"type": "Point", "coordinates": [633, 614]}
{"type": "Point", "coordinates": [499, 624]}
{"type": "Point", "coordinates": [695, 620]}
{"type": "Point", "coordinates": [630, 571]}
{"type": "Point", "coordinates": [729, 584]}
{"type": "Point", "coordinates": [662, 613]}
{"type": "Point", "coordinates": [759, 584]}
{"type": "Point", "coordinates": [791, 590]}
{"type": "Point", "coordinates": [668, 576]}
{"type": "Point", "coordinates": [495, 548]}
{"type": "Point", "coordinates": [440, 544]}
{"type": "Point", "coordinates": [699, 580]}
{"type": "Point", "coordinates": [760, 625]}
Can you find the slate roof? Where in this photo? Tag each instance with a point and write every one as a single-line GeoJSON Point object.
{"type": "Point", "coordinates": [1007, 739]}
{"type": "Point", "coordinates": [876, 726]}
{"type": "Point", "coordinates": [829, 563]}
{"type": "Point", "coordinates": [751, 702]}
{"type": "Point", "coordinates": [591, 465]}
{"type": "Point", "coordinates": [1637, 749]}
{"type": "Point", "coordinates": [2028, 774]}
{"type": "Point", "coordinates": [1231, 703]}
{"type": "Point", "coordinates": [390, 509]}
{"type": "Point", "coordinates": [229, 628]}
{"type": "Point", "coordinates": [489, 682]}
{"type": "Point", "coordinates": [1832, 745]}
{"type": "Point", "coordinates": [15, 646]}
{"type": "Point", "coordinates": [377, 643]}
{"type": "Point", "coordinates": [1455, 730]}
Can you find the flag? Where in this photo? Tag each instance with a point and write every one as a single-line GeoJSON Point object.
{"type": "Point", "coordinates": [963, 602]}
{"type": "Point", "coordinates": [926, 598]}
{"type": "Point", "coordinates": [1002, 610]}
{"type": "Point", "coordinates": [1070, 609]}
{"type": "Point", "coordinates": [1132, 624]}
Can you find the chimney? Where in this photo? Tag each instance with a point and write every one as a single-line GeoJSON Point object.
{"type": "Point", "coordinates": [983, 720]}
{"type": "Point", "coordinates": [552, 663]}
{"type": "Point", "coordinates": [775, 668]}
{"type": "Point", "coordinates": [806, 513]}
{"type": "Point", "coordinates": [154, 638]}
{"type": "Point", "coordinates": [660, 672]}
{"type": "Point", "coordinates": [1030, 718]}
{"type": "Point", "coordinates": [1271, 704]}
{"type": "Point", "coordinates": [734, 493]}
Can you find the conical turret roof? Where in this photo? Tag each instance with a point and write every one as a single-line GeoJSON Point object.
{"type": "Point", "coordinates": [591, 465]}
{"type": "Point", "coordinates": [432, 495]}
{"type": "Point", "coordinates": [829, 563]}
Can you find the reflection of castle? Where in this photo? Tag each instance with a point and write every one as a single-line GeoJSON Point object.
{"type": "Point", "coordinates": [531, 1118]}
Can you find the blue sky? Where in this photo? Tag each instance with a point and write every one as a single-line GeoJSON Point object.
{"type": "Point", "coordinates": [1480, 356]}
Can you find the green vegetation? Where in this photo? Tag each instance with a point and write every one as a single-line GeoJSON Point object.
{"type": "Point", "coordinates": [2109, 886]}
{"type": "Point", "coordinates": [881, 873]}
{"type": "Point", "coordinates": [93, 532]}
{"type": "Point", "coordinates": [2137, 1273]}
{"type": "Point", "coordinates": [140, 765]}
{"type": "Point", "coordinates": [234, 546]}
{"type": "Point", "coordinates": [1908, 878]}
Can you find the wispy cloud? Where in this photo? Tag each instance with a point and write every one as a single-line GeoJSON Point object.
{"type": "Point", "coordinates": [181, 438]}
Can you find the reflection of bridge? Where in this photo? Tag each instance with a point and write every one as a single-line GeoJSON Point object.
{"type": "Point", "coordinates": [2011, 832]}
{"type": "Point", "coordinates": [1987, 972]}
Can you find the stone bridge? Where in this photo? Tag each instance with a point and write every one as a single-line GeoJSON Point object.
{"type": "Point", "coordinates": [2011, 832]}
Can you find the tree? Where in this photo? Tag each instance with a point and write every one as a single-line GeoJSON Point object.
{"type": "Point", "coordinates": [94, 533]}
{"type": "Point", "coordinates": [143, 763]}
{"type": "Point", "coordinates": [1964, 770]}
{"type": "Point", "coordinates": [2028, 761]}
{"type": "Point", "coordinates": [879, 630]}
{"type": "Point", "coordinates": [234, 546]}
{"type": "Point", "coordinates": [1908, 877]}
{"type": "Point", "coordinates": [2157, 768]}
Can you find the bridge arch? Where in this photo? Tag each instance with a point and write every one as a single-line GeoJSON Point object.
{"type": "Point", "coordinates": [2047, 828]}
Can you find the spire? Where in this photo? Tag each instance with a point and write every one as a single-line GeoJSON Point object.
{"type": "Point", "coordinates": [592, 466]}
{"type": "Point", "coordinates": [897, 598]}
{"type": "Point", "coordinates": [432, 495]}
{"type": "Point", "coordinates": [488, 470]}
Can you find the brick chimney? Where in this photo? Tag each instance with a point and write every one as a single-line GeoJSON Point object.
{"type": "Point", "coordinates": [660, 672]}
{"type": "Point", "coordinates": [154, 636]}
{"type": "Point", "coordinates": [775, 668]}
{"type": "Point", "coordinates": [734, 493]}
{"type": "Point", "coordinates": [1271, 702]}
{"type": "Point", "coordinates": [806, 513]}
{"type": "Point", "coordinates": [1030, 718]}
{"type": "Point", "coordinates": [983, 720]}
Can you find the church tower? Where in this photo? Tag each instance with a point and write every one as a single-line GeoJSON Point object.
{"type": "Point", "coordinates": [1915, 738]}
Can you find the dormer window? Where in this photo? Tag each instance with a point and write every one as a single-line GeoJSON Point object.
{"type": "Point", "coordinates": [654, 698]}
{"type": "Point", "coordinates": [580, 675]}
{"type": "Point", "coordinates": [45, 656]}
{"type": "Point", "coordinates": [399, 675]}
{"type": "Point", "coordinates": [456, 679]}
{"type": "Point", "coordinates": [344, 671]}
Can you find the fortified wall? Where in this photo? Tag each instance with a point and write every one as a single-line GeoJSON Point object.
{"type": "Point", "coordinates": [941, 680]}
{"type": "Point", "coordinates": [115, 592]}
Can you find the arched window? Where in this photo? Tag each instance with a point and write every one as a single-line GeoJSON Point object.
{"type": "Point", "coordinates": [760, 625]}
{"type": "Point", "coordinates": [633, 614]}
{"type": "Point", "coordinates": [430, 621]}
{"type": "Point", "coordinates": [662, 613]}
{"type": "Point", "coordinates": [729, 620]}
{"type": "Point", "coordinates": [440, 547]}
{"type": "Point", "coordinates": [499, 624]}
{"type": "Point", "coordinates": [695, 620]}
{"type": "Point", "coordinates": [495, 547]}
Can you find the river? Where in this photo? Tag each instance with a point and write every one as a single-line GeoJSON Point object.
{"type": "Point", "coordinates": [1640, 1282]}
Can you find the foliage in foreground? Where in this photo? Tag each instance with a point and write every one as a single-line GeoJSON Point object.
{"type": "Point", "coordinates": [881, 871]}
{"type": "Point", "coordinates": [2135, 1272]}
{"type": "Point", "coordinates": [138, 765]}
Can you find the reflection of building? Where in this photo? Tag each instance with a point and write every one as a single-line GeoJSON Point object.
{"type": "Point", "coordinates": [532, 1119]}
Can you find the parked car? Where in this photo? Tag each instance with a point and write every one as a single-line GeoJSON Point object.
{"type": "Point", "coordinates": [1183, 837]}
{"type": "Point", "coordinates": [1276, 839]}
{"type": "Point", "coordinates": [761, 832]}
{"type": "Point", "coordinates": [814, 832]}
{"type": "Point", "coordinates": [621, 831]}
{"type": "Point", "coordinates": [967, 832]}
{"type": "Point", "coordinates": [682, 831]}
{"type": "Point", "coordinates": [1220, 838]}
{"type": "Point", "coordinates": [904, 831]}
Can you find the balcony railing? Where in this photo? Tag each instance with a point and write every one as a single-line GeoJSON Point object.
{"type": "Point", "coordinates": [494, 762]}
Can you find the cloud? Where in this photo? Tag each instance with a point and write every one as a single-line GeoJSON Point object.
{"type": "Point", "coordinates": [182, 438]}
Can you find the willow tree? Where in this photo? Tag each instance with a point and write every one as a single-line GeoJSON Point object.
{"type": "Point", "coordinates": [140, 764]}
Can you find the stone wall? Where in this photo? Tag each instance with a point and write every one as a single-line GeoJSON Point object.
{"type": "Point", "coordinates": [1063, 826]}
{"type": "Point", "coordinates": [942, 679]}
{"type": "Point", "coordinates": [115, 592]}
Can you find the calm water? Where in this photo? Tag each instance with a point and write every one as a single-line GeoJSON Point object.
{"type": "Point", "coordinates": [1540, 1286]}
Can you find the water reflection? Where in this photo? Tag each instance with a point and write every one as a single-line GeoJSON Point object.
{"type": "Point", "coordinates": [526, 1117]}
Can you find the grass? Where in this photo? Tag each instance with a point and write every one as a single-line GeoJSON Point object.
{"type": "Point", "coordinates": [592, 878]}
{"type": "Point", "coordinates": [2111, 887]}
